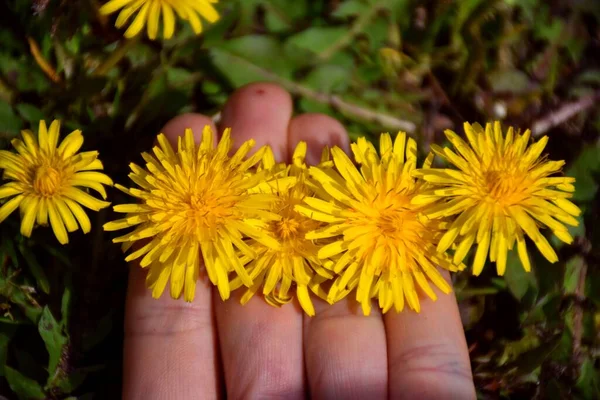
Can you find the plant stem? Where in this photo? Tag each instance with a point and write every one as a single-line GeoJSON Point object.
{"type": "Point", "coordinates": [44, 64]}
{"type": "Point", "coordinates": [357, 27]}
{"type": "Point", "coordinates": [578, 307]}
{"type": "Point", "coordinates": [563, 114]}
{"type": "Point", "coordinates": [352, 110]}
{"type": "Point", "coordinates": [116, 56]}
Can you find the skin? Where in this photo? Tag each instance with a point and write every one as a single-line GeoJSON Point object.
{"type": "Point", "coordinates": [212, 349]}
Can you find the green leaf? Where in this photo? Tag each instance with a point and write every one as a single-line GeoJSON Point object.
{"type": "Point", "coordinates": [8, 249]}
{"type": "Point", "coordinates": [24, 387]}
{"type": "Point", "coordinates": [250, 59]}
{"type": "Point", "coordinates": [10, 123]}
{"type": "Point", "coordinates": [311, 106]}
{"type": "Point", "coordinates": [572, 274]}
{"type": "Point", "coordinates": [30, 112]}
{"type": "Point", "coordinates": [350, 8]}
{"type": "Point", "coordinates": [574, 231]}
{"type": "Point", "coordinates": [35, 268]}
{"type": "Point", "coordinates": [517, 279]}
{"type": "Point", "coordinates": [590, 77]}
{"type": "Point", "coordinates": [532, 359]}
{"type": "Point", "coordinates": [584, 169]}
{"type": "Point", "coordinates": [178, 76]}
{"type": "Point", "coordinates": [73, 381]}
{"type": "Point", "coordinates": [53, 337]}
{"type": "Point", "coordinates": [588, 382]}
{"type": "Point", "coordinates": [510, 81]}
{"type": "Point", "coordinates": [329, 78]}
{"type": "Point", "coordinates": [65, 305]}
{"type": "Point", "coordinates": [317, 39]}
{"type": "Point", "coordinates": [6, 333]}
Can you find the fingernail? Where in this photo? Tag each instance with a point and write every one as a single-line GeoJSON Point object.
{"type": "Point", "coordinates": [314, 151]}
{"type": "Point", "coordinates": [278, 154]}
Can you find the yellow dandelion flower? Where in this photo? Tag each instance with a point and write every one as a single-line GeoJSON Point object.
{"type": "Point", "coordinates": [45, 177]}
{"type": "Point", "coordinates": [290, 265]}
{"type": "Point", "coordinates": [501, 191]}
{"type": "Point", "coordinates": [150, 11]}
{"type": "Point", "coordinates": [191, 202]}
{"type": "Point", "coordinates": [385, 247]}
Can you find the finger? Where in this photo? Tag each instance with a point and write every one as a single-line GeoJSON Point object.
{"type": "Point", "coordinates": [261, 346]}
{"type": "Point", "coordinates": [317, 130]}
{"type": "Point", "coordinates": [427, 352]}
{"type": "Point", "coordinates": [259, 111]}
{"type": "Point", "coordinates": [344, 351]}
{"type": "Point", "coordinates": [170, 345]}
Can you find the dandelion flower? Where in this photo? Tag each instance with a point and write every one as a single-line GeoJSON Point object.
{"type": "Point", "coordinates": [385, 247]}
{"type": "Point", "coordinates": [290, 265]}
{"type": "Point", "coordinates": [148, 12]}
{"type": "Point", "coordinates": [45, 181]}
{"type": "Point", "coordinates": [190, 202]}
{"type": "Point", "coordinates": [501, 192]}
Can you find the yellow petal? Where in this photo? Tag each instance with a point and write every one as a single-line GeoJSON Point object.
{"type": "Point", "coordinates": [57, 224]}
{"type": "Point", "coordinates": [482, 252]}
{"type": "Point", "coordinates": [29, 209]}
{"type": "Point", "coordinates": [168, 20]}
{"type": "Point", "coordinates": [138, 23]}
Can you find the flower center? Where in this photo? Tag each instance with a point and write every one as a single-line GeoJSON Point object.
{"type": "Point", "coordinates": [206, 210]}
{"type": "Point", "coordinates": [504, 187]}
{"type": "Point", "coordinates": [398, 224]}
{"type": "Point", "coordinates": [395, 220]}
{"type": "Point", "coordinates": [287, 228]}
{"type": "Point", "coordinates": [46, 180]}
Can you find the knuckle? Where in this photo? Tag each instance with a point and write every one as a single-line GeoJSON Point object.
{"type": "Point", "coordinates": [431, 371]}
{"type": "Point", "coordinates": [174, 318]}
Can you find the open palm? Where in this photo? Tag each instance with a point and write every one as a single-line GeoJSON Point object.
{"type": "Point", "coordinates": [213, 349]}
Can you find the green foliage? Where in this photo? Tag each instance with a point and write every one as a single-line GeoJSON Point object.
{"type": "Point", "coordinates": [434, 64]}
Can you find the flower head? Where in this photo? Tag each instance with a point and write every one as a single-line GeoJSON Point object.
{"type": "Point", "coordinates": [193, 201]}
{"type": "Point", "coordinates": [501, 192]}
{"type": "Point", "coordinates": [148, 12]}
{"type": "Point", "coordinates": [290, 265]}
{"type": "Point", "coordinates": [383, 245]}
{"type": "Point", "coordinates": [45, 177]}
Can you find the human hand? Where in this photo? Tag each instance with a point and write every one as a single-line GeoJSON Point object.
{"type": "Point", "coordinates": [214, 349]}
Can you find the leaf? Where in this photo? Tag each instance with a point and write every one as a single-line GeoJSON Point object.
{"type": "Point", "coordinates": [250, 59]}
{"type": "Point", "coordinates": [65, 305]}
{"type": "Point", "coordinates": [30, 112]}
{"type": "Point", "coordinates": [317, 39]}
{"type": "Point", "coordinates": [280, 15]}
{"type": "Point", "coordinates": [350, 8]}
{"type": "Point", "coordinates": [532, 359]}
{"type": "Point", "coordinates": [8, 249]}
{"type": "Point", "coordinates": [53, 337]}
{"type": "Point", "coordinates": [590, 77]}
{"type": "Point", "coordinates": [584, 169]}
{"type": "Point", "coordinates": [10, 123]}
{"type": "Point", "coordinates": [572, 274]}
{"type": "Point", "coordinates": [72, 382]}
{"type": "Point", "coordinates": [329, 78]}
{"type": "Point", "coordinates": [517, 279]}
{"type": "Point", "coordinates": [574, 231]}
{"type": "Point", "coordinates": [6, 333]}
{"type": "Point", "coordinates": [510, 81]}
{"type": "Point", "coordinates": [35, 268]}
{"type": "Point", "coordinates": [103, 328]}
{"type": "Point", "coordinates": [588, 382]}
{"type": "Point", "coordinates": [24, 387]}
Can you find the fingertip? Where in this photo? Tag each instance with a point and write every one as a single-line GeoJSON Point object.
{"type": "Point", "coordinates": [196, 122]}
{"type": "Point", "coordinates": [318, 131]}
{"type": "Point", "coordinates": [259, 111]}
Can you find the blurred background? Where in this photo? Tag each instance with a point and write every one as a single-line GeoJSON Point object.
{"type": "Point", "coordinates": [377, 66]}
